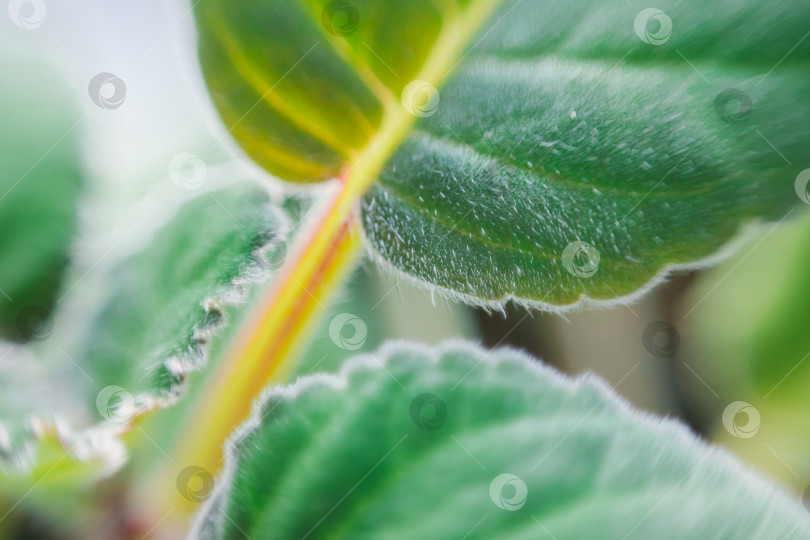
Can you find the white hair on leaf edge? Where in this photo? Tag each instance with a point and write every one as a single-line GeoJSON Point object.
{"type": "Point", "coordinates": [98, 446]}
{"type": "Point", "coordinates": [235, 294]}
{"type": "Point", "coordinates": [743, 237]}
{"type": "Point", "coordinates": [669, 428]}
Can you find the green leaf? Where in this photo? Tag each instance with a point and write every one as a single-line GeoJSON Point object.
{"type": "Point", "coordinates": [40, 183]}
{"type": "Point", "coordinates": [169, 298]}
{"type": "Point", "coordinates": [458, 443]}
{"type": "Point", "coordinates": [562, 126]}
{"type": "Point", "coordinates": [559, 155]}
{"type": "Point", "coordinates": [305, 85]}
{"type": "Point", "coordinates": [165, 304]}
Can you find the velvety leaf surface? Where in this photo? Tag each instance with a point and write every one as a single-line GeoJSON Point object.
{"type": "Point", "coordinates": [557, 154]}
{"type": "Point", "coordinates": [40, 183]}
{"type": "Point", "coordinates": [168, 297]}
{"type": "Point", "coordinates": [454, 443]}
{"type": "Point", "coordinates": [562, 125]}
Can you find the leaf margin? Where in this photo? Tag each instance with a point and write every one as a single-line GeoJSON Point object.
{"type": "Point", "coordinates": [210, 518]}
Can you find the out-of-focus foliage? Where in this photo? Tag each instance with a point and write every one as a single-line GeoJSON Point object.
{"type": "Point", "coordinates": [750, 340]}
{"type": "Point", "coordinates": [40, 184]}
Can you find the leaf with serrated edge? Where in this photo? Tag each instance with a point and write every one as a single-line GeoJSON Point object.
{"type": "Point", "coordinates": [168, 298]}
{"type": "Point", "coordinates": [360, 456]}
{"type": "Point", "coordinates": [563, 126]}
{"type": "Point", "coordinates": [167, 301]}
{"type": "Point", "coordinates": [551, 126]}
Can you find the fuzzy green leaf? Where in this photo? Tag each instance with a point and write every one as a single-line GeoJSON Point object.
{"type": "Point", "coordinates": [570, 159]}
{"type": "Point", "coordinates": [461, 443]}
{"type": "Point", "coordinates": [168, 298]}
{"type": "Point", "coordinates": [570, 154]}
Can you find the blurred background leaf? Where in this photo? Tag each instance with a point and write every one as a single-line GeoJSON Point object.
{"type": "Point", "coordinates": [747, 321]}
{"type": "Point", "coordinates": [41, 182]}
